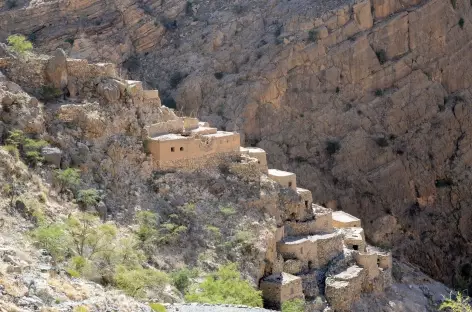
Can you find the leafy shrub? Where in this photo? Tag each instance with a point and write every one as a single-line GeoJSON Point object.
{"type": "Point", "coordinates": [295, 305]}
{"type": "Point", "coordinates": [15, 138]}
{"type": "Point", "coordinates": [157, 307]}
{"type": "Point", "coordinates": [147, 225]}
{"type": "Point", "coordinates": [30, 149]}
{"type": "Point", "coordinates": [461, 23]}
{"type": "Point", "coordinates": [67, 179]}
{"type": "Point", "coordinates": [213, 230]}
{"type": "Point", "coordinates": [81, 309]}
{"type": "Point", "coordinates": [225, 287]}
{"type": "Point", "coordinates": [13, 151]}
{"type": "Point", "coordinates": [49, 93]}
{"type": "Point", "coordinates": [457, 304]}
{"type": "Point", "coordinates": [382, 56]}
{"type": "Point", "coordinates": [219, 75]}
{"type": "Point", "coordinates": [88, 236]}
{"type": "Point", "coordinates": [88, 198]}
{"type": "Point", "coordinates": [228, 211]}
{"type": "Point", "coordinates": [19, 44]}
{"type": "Point", "coordinates": [52, 238]}
{"type": "Point", "coordinates": [136, 282]}
{"type": "Point", "coordinates": [182, 279]}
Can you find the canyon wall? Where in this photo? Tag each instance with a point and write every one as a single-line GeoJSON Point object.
{"type": "Point", "coordinates": [368, 102]}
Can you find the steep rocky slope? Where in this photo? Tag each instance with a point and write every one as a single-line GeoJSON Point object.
{"type": "Point", "coordinates": [369, 104]}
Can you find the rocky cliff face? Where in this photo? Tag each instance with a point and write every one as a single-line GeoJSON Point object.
{"type": "Point", "coordinates": [367, 102]}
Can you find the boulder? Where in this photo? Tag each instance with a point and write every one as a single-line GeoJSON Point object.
{"type": "Point", "coordinates": [110, 90]}
{"type": "Point", "coordinates": [52, 155]}
{"type": "Point", "coordinates": [56, 69]}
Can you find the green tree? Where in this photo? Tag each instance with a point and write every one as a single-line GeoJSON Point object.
{"type": "Point", "coordinates": [225, 287]}
{"type": "Point", "coordinates": [89, 238]}
{"type": "Point", "coordinates": [30, 148]}
{"type": "Point", "coordinates": [136, 282]}
{"type": "Point", "coordinates": [182, 279]}
{"type": "Point", "coordinates": [459, 304]}
{"type": "Point", "coordinates": [147, 225]}
{"type": "Point", "coordinates": [53, 238]}
{"type": "Point", "coordinates": [88, 198]}
{"type": "Point", "coordinates": [295, 305]}
{"type": "Point", "coordinates": [19, 44]}
{"type": "Point", "coordinates": [67, 179]}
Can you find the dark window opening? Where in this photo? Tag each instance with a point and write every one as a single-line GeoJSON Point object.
{"type": "Point", "coordinates": [181, 149]}
{"type": "Point", "coordinates": [378, 261]}
{"type": "Point", "coordinates": [172, 149]}
{"type": "Point", "coordinates": [355, 247]}
{"type": "Point", "coordinates": [289, 184]}
{"type": "Point", "coordinates": [310, 265]}
{"type": "Point", "coordinates": [258, 161]}
{"type": "Point", "coordinates": [306, 204]}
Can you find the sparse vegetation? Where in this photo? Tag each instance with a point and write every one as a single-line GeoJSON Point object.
{"type": "Point", "coordinates": [382, 56]}
{"type": "Point", "coordinates": [228, 211]}
{"type": "Point", "coordinates": [219, 75]}
{"type": "Point", "coordinates": [157, 307]}
{"type": "Point", "coordinates": [379, 92]}
{"type": "Point", "coordinates": [459, 303]}
{"type": "Point", "coordinates": [19, 44]}
{"type": "Point", "coordinates": [18, 144]}
{"type": "Point", "coordinates": [88, 198]}
{"type": "Point", "coordinates": [225, 287]}
{"type": "Point", "coordinates": [49, 93]}
{"type": "Point", "coordinates": [67, 179]}
{"type": "Point", "coordinates": [182, 279]}
{"type": "Point", "coordinates": [135, 282]}
{"type": "Point", "coordinates": [454, 4]}
{"type": "Point", "coordinates": [81, 309]}
{"type": "Point", "coordinates": [295, 305]}
{"type": "Point", "coordinates": [461, 23]}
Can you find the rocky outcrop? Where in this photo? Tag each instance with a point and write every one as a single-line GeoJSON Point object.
{"type": "Point", "coordinates": [371, 111]}
{"type": "Point", "coordinates": [367, 101]}
{"type": "Point", "coordinates": [56, 69]}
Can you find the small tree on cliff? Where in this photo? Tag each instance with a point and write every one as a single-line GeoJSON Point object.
{"type": "Point", "coordinates": [459, 304]}
{"type": "Point", "coordinates": [19, 44]}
